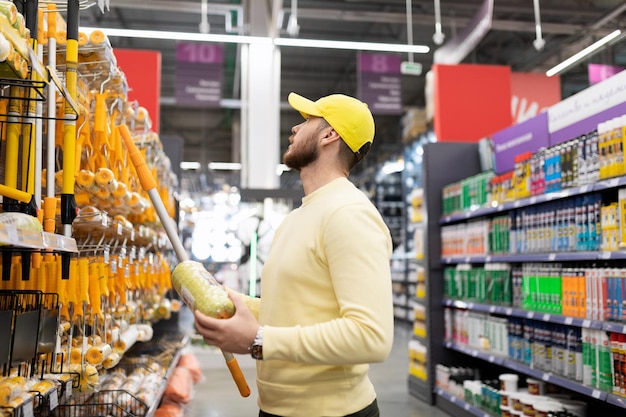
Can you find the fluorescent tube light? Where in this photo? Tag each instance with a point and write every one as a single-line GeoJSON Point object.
{"type": "Point", "coordinates": [582, 54]}
{"type": "Point", "coordinates": [178, 36]}
{"type": "Point", "coordinates": [187, 165]}
{"type": "Point", "coordinates": [225, 166]}
{"type": "Point", "coordinates": [357, 46]}
{"type": "Point", "coordinates": [306, 43]}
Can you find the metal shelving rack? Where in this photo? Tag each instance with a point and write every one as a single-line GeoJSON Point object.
{"type": "Point", "coordinates": [436, 172]}
{"type": "Point", "coordinates": [603, 401]}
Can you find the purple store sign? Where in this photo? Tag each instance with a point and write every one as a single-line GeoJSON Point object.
{"type": "Point", "coordinates": [199, 74]}
{"type": "Point", "coordinates": [380, 82]}
{"type": "Point", "coordinates": [528, 136]}
{"type": "Point", "coordinates": [581, 113]}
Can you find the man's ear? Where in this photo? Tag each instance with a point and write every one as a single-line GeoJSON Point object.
{"type": "Point", "coordinates": [330, 136]}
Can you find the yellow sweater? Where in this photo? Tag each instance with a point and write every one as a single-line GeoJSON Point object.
{"type": "Point", "coordinates": [326, 305]}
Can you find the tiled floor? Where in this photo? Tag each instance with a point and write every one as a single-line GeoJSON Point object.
{"type": "Point", "coordinates": [217, 395]}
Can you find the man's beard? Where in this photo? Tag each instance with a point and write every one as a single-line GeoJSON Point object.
{"type": "Point", "coordinates": [300, 158]}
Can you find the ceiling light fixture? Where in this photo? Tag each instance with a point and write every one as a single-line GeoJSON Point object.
{"type": "Point", "coordinates": [574, 59]}
{"type": "Point", "coordinates": [297, 42]}
{"type": "Point", "coordinates": [225, 166]}
{"type": "Point", "coordinates": [356, 46]}
{"type": "Point", "coordinates": [178, 36]}
{"type": "Point", "coordinates": [189, 165]}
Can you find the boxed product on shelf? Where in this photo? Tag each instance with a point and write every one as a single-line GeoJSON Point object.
{"type": "Point", "coordinates": [469, 193]}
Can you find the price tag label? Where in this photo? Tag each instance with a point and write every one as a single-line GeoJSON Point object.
{"type": "Point", "coordinates": [586, 323]}
{"type": "Point", "coordinates": [28, 410]}
{"type": "Point", "coordinates": [68, 390]}
{"type": "Point", "coordinates": [545, 377]}
{"type": "Point", "coordinates": [12, 235]}
{"type": "Point", "coordinates": [546, 317]}
{"type": "Point", "coordinates": [569, 320]}
{"type": "Point", "coordinates": [605, 255]}
{"type": "Point", "coordinates": [508, 311]}
{"type": "Point", "coordinates": [552, 256]}
{"type": "Point", "coordinates": [595, 394]}
{"type": "Point", "coordinates": [530, 315]}
{"type": "Point", "coordinates": [533, 200]}
{"type": "Point", "coordinates": [466, 406]}
{"type": "Point", "coordinates": [470, 306]}
{"type": "Point", "coordinates": [491, 358]}
{"type": "Point", "coordinates": [584, 188]}
{"type": "Point", "coordinates": [492, 309]}
{"type": "Point", "coordinates": [452, 399]}
{"type": "Point", "coordinates": [54, 399]}
{"type": "Point", "coordinates": [624, 329]}
{"type": "Point", "coordinates": [474, 353]}
{"type": "Point", "coordinates": [488, 258]}
{"type": "Point", "coordinates": [516, 204]}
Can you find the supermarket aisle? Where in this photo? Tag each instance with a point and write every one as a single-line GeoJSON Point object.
{"type": "Point", "coordinates": [217, 395]}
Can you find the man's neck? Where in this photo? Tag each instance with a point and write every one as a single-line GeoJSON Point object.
{"type": "Point", "coordinates": [315, 177]}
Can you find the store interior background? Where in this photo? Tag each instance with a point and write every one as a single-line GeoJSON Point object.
{"type": "Point", "coordinates": [224, 230]}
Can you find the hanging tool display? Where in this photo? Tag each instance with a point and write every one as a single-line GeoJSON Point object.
{"type": "Point", "coordinates": [108, 294]}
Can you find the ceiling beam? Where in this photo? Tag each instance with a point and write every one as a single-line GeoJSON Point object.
{"type": "Point", "coordinates": [596, 31]}
{"type": "Point", "coordinates": [358, 16]}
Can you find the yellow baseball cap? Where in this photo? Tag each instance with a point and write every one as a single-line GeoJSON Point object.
{"type": "Point", "coordinates": [351, 118]}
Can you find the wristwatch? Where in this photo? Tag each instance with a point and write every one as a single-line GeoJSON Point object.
{"type": "Point", "coordinates": [256, 348]}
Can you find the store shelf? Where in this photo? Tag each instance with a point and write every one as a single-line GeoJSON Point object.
{"type": "Point", "coordinates": [166, 378]}
{"type": "Point", "coordinates": [616, 400]}
{"type": "Point", "coordinates": [602, 185]}
{"type": "Point", "coordinates": [534, 315]}
{"type": "Point", "coordinates": [475, 353]}
{"type": "Point", "coordinates": [523, 369]}
{"type": "Point", "coordinates": [419, 388]}
{"type": "Point", "coordinates": [459, 405]}
{"type": "Point", "coordinates": [531, 201]}
{"type": "Point", "coordinates": [536, 257]}
{"type": "Point", "coordinates": [30, 239]}
{"type": "Point", "coordinates": [556, 380]}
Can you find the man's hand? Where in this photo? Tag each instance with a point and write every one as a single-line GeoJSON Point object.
{"type": "Point", "coordinates": [234, 334]}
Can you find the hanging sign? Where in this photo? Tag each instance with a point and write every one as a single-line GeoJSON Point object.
{"type": "Point", "coordinates": [380, 82]}
{"type": "Point", "coordinates": [199, 74]}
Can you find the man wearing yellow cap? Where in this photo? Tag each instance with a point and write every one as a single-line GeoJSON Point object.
{"type": "Point", "coordinates": [326, 309]}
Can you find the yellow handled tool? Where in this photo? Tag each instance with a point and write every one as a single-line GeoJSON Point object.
{"type": "Point", "coordinates": [149, 184]}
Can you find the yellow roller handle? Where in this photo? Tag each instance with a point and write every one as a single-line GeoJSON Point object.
{"type": "Point", "coordinates": [15, 194]}
{"type": "Point", "coordinates": [94, 288]}
{"type": "Point", "coordinates": [49, 214]}
{"type": "Point", "coordinates": [83, 280]}
{"type": "Point", "coordinates": [143, 172]}
{"type": "Point", "coordinates": [51, 275]}
{"type": "Point", "coordinates": [103, 275]}
{"type": "Point", "coordinates": [72, 283]}
{"type": "Point", "coordinates": [40, 283]}
{"type": "Point", "coordinates": [238, 377]}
